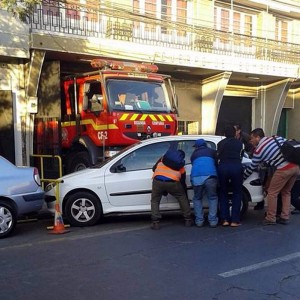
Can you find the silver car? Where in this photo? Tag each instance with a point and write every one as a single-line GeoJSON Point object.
{"type": "Point", "coordinates": [20, 194]}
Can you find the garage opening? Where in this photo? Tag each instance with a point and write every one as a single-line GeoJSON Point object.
{"type": "Point", "coordinates": [235, 110]}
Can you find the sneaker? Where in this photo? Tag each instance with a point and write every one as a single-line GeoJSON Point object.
{"type": "Point", "coordinates": [188, 223]}
{"type": "Point", "coordinates": [201, 224]}
{"type": "Point", "coordinates": [268, 222]}
{"type": "Point", "coordinates": [155, 225]}
{"type": "Point", "coordinates": [213, 225]}
{"type": "Point", "coordinates": [283, 221]}
{"type": "Point", "coordinates": [259, 205]}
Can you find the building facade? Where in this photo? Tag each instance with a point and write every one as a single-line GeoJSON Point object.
{"type": "Point", "coordinates": [231, 61]}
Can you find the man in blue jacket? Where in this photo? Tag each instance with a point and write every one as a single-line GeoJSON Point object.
{"type": "Point", "coordinates": [204, 179]}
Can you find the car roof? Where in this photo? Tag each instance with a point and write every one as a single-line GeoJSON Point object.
{"type": "Point", "coordinates": [214, 138]}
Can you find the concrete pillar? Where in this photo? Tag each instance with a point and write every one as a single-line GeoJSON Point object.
{"type": "Point", "coordinates": [212, 93]}
{"type": "Point", "coordinates": [269, 105]}
{"type": "Point", "coordinates": [33, 73]}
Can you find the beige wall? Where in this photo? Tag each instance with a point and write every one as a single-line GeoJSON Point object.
{"type": "Point", "coordinates": [14, 37]}
{"type": "Point", "coordinates": [189, 100]}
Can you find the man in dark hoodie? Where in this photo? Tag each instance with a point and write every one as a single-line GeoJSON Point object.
{"type": "Point", "coordinates": [167, 178]}
{"type": "Point", "coordinates": [204, 180]}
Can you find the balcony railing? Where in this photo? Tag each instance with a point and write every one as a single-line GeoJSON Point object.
{"type": "Point", "coordinates": [55, 17]}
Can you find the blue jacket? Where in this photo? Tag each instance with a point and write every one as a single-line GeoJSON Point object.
{"type": "Point", "coordinates": [203, 161]}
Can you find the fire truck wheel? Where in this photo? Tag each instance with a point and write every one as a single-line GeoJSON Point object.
{"type": "Point", "coordinates": [78, 161]}
{"type": "Point", "coordinates": [83, 209]}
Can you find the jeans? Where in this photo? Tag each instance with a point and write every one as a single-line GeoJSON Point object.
{"type": "Point", "coordinates": [281, 182]}
{"type": "Point", "coordinates": [230, 174]}
{"type": "Point", "coordinates": [210, 188]}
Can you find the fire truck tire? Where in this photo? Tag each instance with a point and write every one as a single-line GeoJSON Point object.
{"type": "Point", "coordinates": [78, 161]}
{"type": "Point", "coordinates": [83, 209]}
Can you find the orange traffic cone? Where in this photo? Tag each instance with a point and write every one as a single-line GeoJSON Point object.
{"type": "Point", "coordinates": [59, 227]}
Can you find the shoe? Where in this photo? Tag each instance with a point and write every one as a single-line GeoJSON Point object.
{"type": "Point", "coordinates": [268, 222]}
{"type": "Point", "coordinates": [283, 221]}
{"type": "Point", "coordinates": [213, 225]}
{"type": "Point", "coordinates": [188, 223]}
{"type": "Point", "coordinates": [259, 205]}
{"type": "Point", "coordinates": [201, 224]}
{"type": "Point", "coordinates": [155, 225]}
{"type": "Point", "coordinates": [235, 224]}
{"type": "Point", "coordinates": [225, 223]}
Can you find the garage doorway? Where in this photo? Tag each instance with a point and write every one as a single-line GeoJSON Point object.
{"type": "Point", "coordinates": [235, 110]}
{"type": "Point", "coordinates": [7, 137]}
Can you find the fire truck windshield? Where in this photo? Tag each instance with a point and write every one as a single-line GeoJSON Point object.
{"type": "Point", "coordinates": [137, 95]}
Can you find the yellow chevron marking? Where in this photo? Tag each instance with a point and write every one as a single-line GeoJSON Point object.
{"type": "Point", "coordinates": [124, 117]}
{"type": "Point", "coordinates": [153, 118]}
{"type": "Point", "coordinates": [161, 117]}
{"type": "Point", "coordinates": [169, 118]}
{"type": "Point", "coordinates": [134, 116]}
{"type": "Point", "coordinates": [143, 117]}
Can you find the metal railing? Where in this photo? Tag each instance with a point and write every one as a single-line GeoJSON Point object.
{"type": "Point", "coordinates": [42, 169]}
{"type": "Point", "coordinates": [126, 26]}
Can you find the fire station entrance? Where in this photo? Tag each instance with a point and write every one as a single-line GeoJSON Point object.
{"type": "Point", "coordinates": [7, 137]}
{"type": "Point", "coordinates": [235, 110]}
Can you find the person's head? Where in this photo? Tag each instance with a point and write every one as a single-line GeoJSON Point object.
{"type": "Point", "coordinates": [238, 130]}
{"type": "Point", "coordinates": [229, 131]}
{"type": "Point", "coordinates": [256, 135]}
{"type": "Point", "coordinates": [199, 143]}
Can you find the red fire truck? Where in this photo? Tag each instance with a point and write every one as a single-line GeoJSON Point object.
{"type": "Point", "coordinates": [108, 109]}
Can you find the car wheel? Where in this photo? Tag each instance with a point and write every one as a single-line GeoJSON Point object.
{"type": "Point", "coordinates": [8, 219]}
{"type": "Point", "coordinates": [83, 209]}
{"type": "Point", "coordinates": [78, 161]}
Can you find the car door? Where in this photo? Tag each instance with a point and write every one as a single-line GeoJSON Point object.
{"type": "Point", "coordinates": [128, 181]}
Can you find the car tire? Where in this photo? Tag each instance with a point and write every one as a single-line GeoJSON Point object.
{"type": "Point", "coordinates": [83, 209]}
{"type": "Point", "coordinates": [78, 161]}
{"type": "Point", "coordinates": [8, 219]}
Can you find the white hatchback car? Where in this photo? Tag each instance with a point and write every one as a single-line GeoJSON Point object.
{"type": "Point", "coordinates": [122, 184]}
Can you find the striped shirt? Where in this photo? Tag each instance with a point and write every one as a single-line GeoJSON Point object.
{"type": "Point", "coordinates": [267, 151]}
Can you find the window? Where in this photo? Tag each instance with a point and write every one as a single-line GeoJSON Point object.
{"type": "Point", "coordinates": [281, 30]}
{"type": "Point", "coordinates": [146, 157]}
{"type": "Point", "coordinates": [234, 21]}
{"type": "Point", "coordinates": [166, 10]}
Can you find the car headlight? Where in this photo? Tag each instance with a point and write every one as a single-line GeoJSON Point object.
{"type": "Point", "coordinates": [50, 186]}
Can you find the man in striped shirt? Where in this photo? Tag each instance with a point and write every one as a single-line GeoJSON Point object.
{"type": "Point", "coordinates": [283, 179]}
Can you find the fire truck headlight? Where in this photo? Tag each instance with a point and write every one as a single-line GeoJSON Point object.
{"type": "Point", "coordinates": [109, 153]}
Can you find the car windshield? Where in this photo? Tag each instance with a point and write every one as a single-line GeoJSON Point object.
{"type": "Point", "coordinates": [137, 95]}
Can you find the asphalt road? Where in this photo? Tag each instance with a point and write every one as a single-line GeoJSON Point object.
{"type": "Point", "coordinates": [123, 259]}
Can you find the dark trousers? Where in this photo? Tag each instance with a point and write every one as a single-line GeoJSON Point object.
{"type": "Point", "coordinates": [176, 190]}
{"type": "Point", "coordinates": [230, 176]}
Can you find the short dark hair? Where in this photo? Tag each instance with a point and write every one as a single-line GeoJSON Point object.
{"type": "Point", "coordinates": [258, 132]}
{"type": "Point", "coordinates": [229, 131]}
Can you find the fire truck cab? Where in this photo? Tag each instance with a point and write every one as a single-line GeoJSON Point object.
{"type": "Point", "coordinates": [108, 109]}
